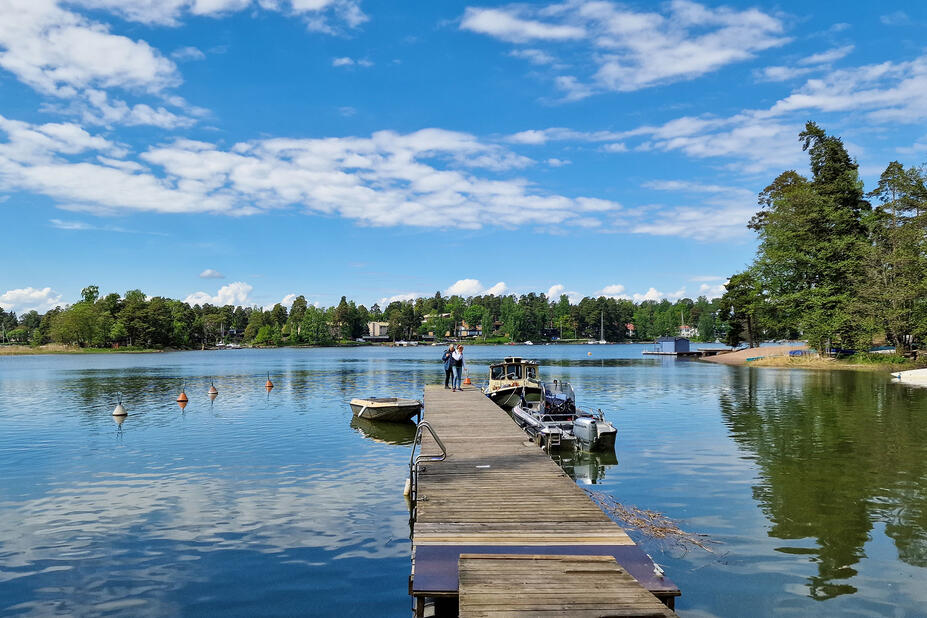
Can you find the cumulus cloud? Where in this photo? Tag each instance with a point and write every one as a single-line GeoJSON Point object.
{"type": "Point", "coordinates": [629, 50]}
{"type": "Point", "coordinates": [619, 291]}
{"type": "Point", "coordinates": [558, 289]}
{"type": "Point", "coordinates": [23, 300]}
{"type": "Point", "coordinates": [615, 290]}
{"type": "Point", "coordinates": [473, 287]}
{"type": "Point", "coordinates": [58, 52]}
{"type": "Point", "coordinates": [236, 293]}
{"type": "Point", "coordinates": [429, 178]}
{"type": "Point", "coordinates": [209, 273]}
{"type": "Point", "coordinates": [655, 295]}
{"type": "Point", "coordinates": [404, 296]}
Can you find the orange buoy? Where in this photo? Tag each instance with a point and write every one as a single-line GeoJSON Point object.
{"type": "Point", "coordinates": [213, 390]}
{"type": "Point", "coordinates": [269, 385]}
{"type": "Point", "coordinates": [182, 403]}
{"type": "Point", "coordinates": [182, 397]}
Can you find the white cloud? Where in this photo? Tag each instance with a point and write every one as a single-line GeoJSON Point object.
{"type": "Point", "coordinates": [347, 111]}
{"type": "Point", "coordinates": [346, 61]}
{"type": "Point", "coordinates": [473, 287]}
{"type": "Point", "coordinates": [828, 56]}
{"type": "Point", "coordinates": [496, 290]}
{"type": "Point", "coordinates": [236, 293]}
{"type": "Point", "coordinates": [183, 54]}
{"type": "Point", "coordinates": [629, 50]}
{"type": "Point", "coordinates": [781, 73]}
{"type": "Point", "coordinates": [616, 290]}
{"type": "Point", "coordinates": [23, 300]}
{"type": "Point", "coordinates": [655, 294]}
{"type": "Point", "coordinates": [405, 296]}
{"type": "Point", "coordinates": [317, 14]}
{"type": "Point", "coordinates": [558, 289]}
{"type": "Point", "coordinates": [711, 291]}
{"type": "Point", "coordinates": [287, 301]}
{"type": "Point", "coordinates": [209, 273]}
{"type": "Point", "coordinates": [554, 162]}
{"type": "Point", "coordinates": [428, 178]}
{"type": "Point", "coordinates": [615, 147]}
{"type": "Point", "coordinates": [886, 92]}
{"type": "Point", "coordinates": [507, 25]}
{"type": "Point", "coordinates": [561, 134]}
{"type": "Point", "coordinates": [534, 56]}
{"type": "Point", "coordinates": [754, 141]}
{"type": "Point", "coordinates": [59, 52]}
{"type": "Point", "coordinates": [897, 18]}
{"type": "Point", "coordinates": [722, 215]}
{"type": "Point", "coordinates": [464, 287]}
{"type": "Point", "coordinates": [709, 278]}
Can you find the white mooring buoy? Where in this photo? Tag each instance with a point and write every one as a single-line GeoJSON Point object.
{"type": "Point", "coordinates": [120, 409]}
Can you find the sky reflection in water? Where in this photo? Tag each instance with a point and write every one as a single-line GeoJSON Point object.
{"type": "Point", "coordinates": [814, 482]}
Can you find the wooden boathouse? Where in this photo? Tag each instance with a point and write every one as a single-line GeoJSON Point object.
{"type": "Point", "coordinates": [500, 530]}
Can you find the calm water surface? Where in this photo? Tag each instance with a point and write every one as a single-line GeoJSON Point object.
{"type": "Point", "coordinates": [814, 483]}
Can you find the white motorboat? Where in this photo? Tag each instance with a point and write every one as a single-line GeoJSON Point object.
{"type": "Point", "coordinates": [392, 409]}
{"type": "Point", "coordinates": [912, 376]}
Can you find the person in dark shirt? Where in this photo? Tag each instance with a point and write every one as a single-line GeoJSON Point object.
{"type": "Point", "coordinates": [448, 363]}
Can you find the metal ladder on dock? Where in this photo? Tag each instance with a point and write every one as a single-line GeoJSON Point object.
{"type": "Point", "coordinates": [415, 461]}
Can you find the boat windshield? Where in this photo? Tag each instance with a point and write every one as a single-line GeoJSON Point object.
{"type": "Point", "coordinates": [497, 372]}
{"type": "Point", "coordinates": [531, 371]}
{"type": "Point", "coordinates": [513, 372]}
{"type": "Point", "coordinates": [561, 390]}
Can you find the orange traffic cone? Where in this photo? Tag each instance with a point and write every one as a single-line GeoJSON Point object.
{"type": "Point", "coordinates": [467, 379]}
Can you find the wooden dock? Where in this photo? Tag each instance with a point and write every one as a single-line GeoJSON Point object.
{"type": "Point", "coordinates": [499, 498]}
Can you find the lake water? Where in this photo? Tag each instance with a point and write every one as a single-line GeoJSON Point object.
{"type": "Point", "coordinates": [814, 484]}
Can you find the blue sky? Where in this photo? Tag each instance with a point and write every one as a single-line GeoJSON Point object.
{"type": "Point", "coordinates": [249, 150]}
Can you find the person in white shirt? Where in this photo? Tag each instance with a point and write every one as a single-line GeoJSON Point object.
{"type": "Point", "coordinates": [457, 368]}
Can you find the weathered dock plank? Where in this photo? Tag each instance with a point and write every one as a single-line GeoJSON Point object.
{"type": "Point", "coordinates": [512, 585]}
{"type": "Point", "coordinates": [496, 494]}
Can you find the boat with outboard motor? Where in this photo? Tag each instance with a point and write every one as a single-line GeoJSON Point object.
{"type": "Point", "coordinates": [557, 423]}
{"type": "Point", "coordinates": [512, 380]}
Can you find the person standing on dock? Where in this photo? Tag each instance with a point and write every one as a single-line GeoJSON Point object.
{"type": "Point", "coordinates": [448, 361]}
{"type": "Point", "coordinates": [458, 363]}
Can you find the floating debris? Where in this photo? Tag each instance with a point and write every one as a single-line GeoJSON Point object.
{"type": "Point", "coordinates": [651, 523]}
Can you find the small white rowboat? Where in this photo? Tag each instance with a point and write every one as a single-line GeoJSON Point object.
{"type": "Point", "coordinates": [390, 409]}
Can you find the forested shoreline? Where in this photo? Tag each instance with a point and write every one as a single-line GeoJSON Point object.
{"type": "Point", "coordinates": [135, 320]}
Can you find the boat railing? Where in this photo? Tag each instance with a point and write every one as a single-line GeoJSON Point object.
{"type": "Point", "coordinates": [415, 461]}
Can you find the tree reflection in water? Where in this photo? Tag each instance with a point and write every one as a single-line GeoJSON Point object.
{"type": "Point", "coordinates": [837, 452]}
